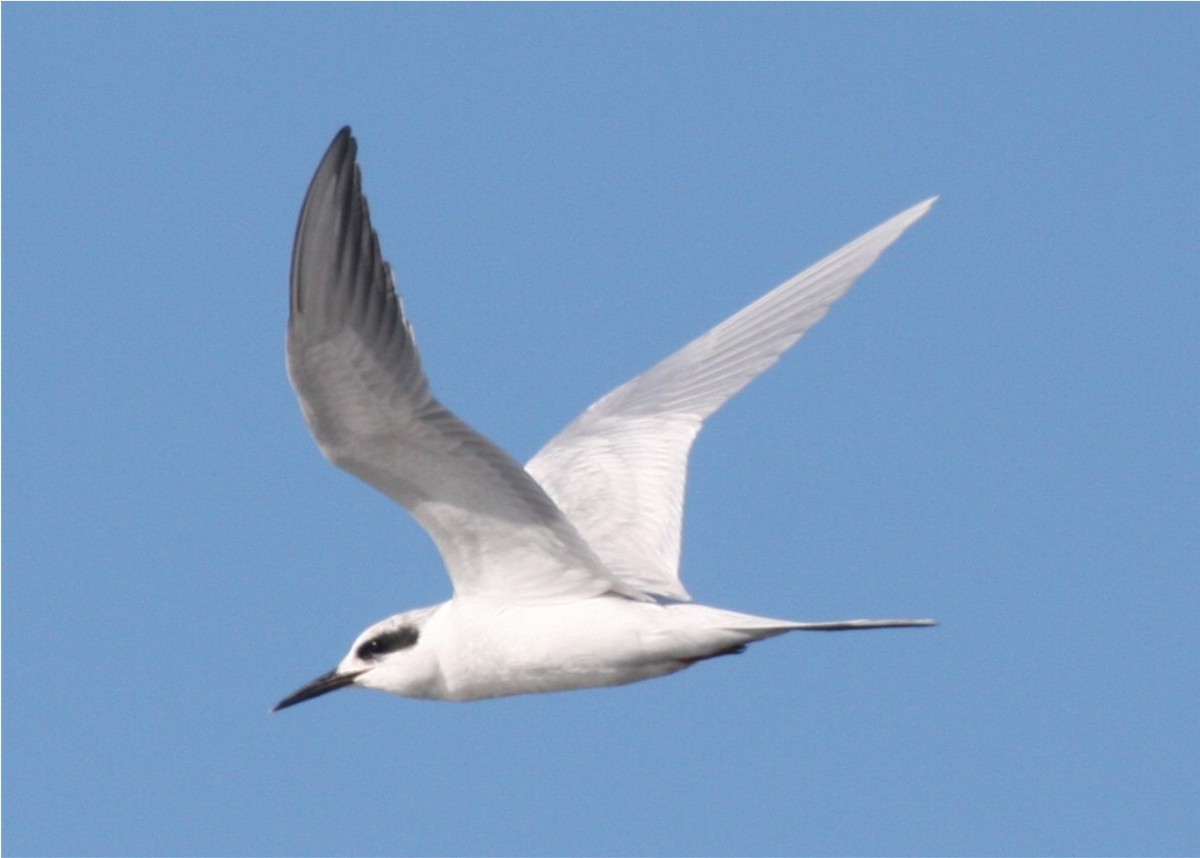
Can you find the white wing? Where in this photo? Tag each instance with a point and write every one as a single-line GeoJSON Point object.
{"type": "Point", "coordinates": [354, 364]}
{"type": "Point", "coordinates": [618, 471]}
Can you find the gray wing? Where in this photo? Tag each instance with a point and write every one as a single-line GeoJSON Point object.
{"type": "Point", "coordinates": [618, 471]}
{"type": "Point", "coordinates": [353, 362]}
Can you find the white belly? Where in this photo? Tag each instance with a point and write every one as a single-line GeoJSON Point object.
{"type": "Point", "coordinates": [486, 650]}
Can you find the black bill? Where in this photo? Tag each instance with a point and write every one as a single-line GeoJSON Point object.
{"type": "Point", "coordinates": [323, 684]}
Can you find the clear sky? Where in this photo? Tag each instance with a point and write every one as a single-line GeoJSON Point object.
{"type": "Point", "coordinates": [997, 428]}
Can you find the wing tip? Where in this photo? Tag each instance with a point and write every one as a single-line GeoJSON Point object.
{"type": "Point", "coordinates": [337, 174]}
{"type": "Point", "coordinates": [914, 213]}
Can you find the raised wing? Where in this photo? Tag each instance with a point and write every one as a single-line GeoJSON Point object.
{"type": "Point", "coordinates": [618, 471]}
{"type": "Point", "coordinates": [354, 364]}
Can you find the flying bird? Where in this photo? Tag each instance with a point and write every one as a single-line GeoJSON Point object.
{"type": "Point", "coordinates": [565, 572]}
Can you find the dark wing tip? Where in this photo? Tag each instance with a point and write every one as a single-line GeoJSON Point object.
{"type": "Point", "coordinates": [335, 247]}
{"type": "Point", "coordinates": [339, 277]}
{"type": "Point", "coordinates": [333, 178]}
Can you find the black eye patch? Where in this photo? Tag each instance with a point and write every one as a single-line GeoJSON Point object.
{"type": "Point", "coordinates": [380, 645]}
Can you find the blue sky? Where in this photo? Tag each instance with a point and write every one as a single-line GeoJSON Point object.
{"type": "Point", "coordinates": [998, 427]}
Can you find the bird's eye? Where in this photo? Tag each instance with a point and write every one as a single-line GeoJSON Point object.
{"type": "Point", "coordinates": [382, 644]}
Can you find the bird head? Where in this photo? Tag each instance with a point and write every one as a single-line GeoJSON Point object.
{"type": "Point", "coordinates": [387, 656]}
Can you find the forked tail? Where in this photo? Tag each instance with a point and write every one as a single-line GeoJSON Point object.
{"type": "Point", "coordinates": [850, 625]}
{"type": "Point", "coordinates": [764, 628]}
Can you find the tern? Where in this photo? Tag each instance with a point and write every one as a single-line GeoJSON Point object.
{"type": "Point", "coordinates": [565, 572]}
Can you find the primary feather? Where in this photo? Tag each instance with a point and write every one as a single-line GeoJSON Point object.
{"type": "Point", "coordinates": [618, 471]}
{"type": "Point", "coordinates": [354, 364]}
